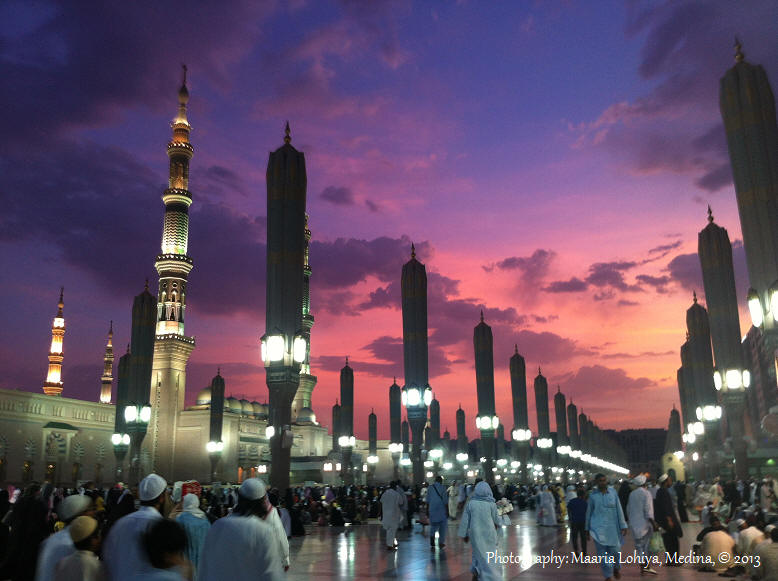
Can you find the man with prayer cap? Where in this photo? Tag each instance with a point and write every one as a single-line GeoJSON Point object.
{"type": "Point", "coordinates": [196, 526]}
{"type": "Point", "coordinates": [640, 515]}
{"type": "Point", "coordinates": [123, 551]}
{"type": "Point", "coordinates": [391, 514]}
{"type": "Point", "coordinates": [605, 524]}
{"type": "Point", "coordinates": [242, 546]}
{"type": "Point", "coordinates": [60, 545]}
{"type": "Point", "coordinates": [82, 564]}
{"type": "Point", "coordinates": [666, 517]}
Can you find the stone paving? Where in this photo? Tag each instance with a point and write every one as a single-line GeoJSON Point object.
{"type": "Point", "coordinates": [359, 553]}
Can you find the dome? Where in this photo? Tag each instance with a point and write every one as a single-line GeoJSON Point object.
{"type": "Point", "coordinates": [257, 408]}
{"type": "Point", "coordinates": [204, 396]}
{"type": "Point", "coordinates": [306, 416]}
{"type": "Point", "coordinates": [262, 410]}
{"type": "Point", "coordinates": [246, 407]}
{"type": "Point", "coordinates": [233, 405]}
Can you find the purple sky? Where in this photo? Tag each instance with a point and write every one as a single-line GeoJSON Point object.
{"type": "Point", "coordinates": [551, 161]}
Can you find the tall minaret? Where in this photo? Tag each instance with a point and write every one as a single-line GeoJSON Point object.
{"type": "Point", "coordinates": [395, 412]}
{"type": "Point", "coordinates": [560, 409]}
{"type": "Point", "coordinates": [172, 347]}
{"type": "Point", "coordinates": [541, 405]}
{"type": "Point", "coordinates": [748, 111]}
{"type": "Point", "coordinates": [434, 423]}
{"type": "Point", "coordinates": [347, 418]}
{"type": "Point", "coordinates": [53, 383]}
{"type": "Point", "coordinates": [415, 354]}
{"type": "Point", "coordinates": [302, 398]}
{"type": "Point", "coordinates": [107, 379]}
{"type": "Point", "coordinates": [484, 379]}
{"type": "Point", "coordinates": [461, 431]}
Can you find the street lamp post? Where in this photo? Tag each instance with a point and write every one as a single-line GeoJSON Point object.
{"type": "Point", "coordinates": [416, 399]}
{"type": "Point", "coordinates": [214, 449]}
{"type": "Point", "coordinates": [136, 420]}
{"type": "Point", "coordinates": [121, 443]}
{"type": "Point", "coordinates": [732, 385]}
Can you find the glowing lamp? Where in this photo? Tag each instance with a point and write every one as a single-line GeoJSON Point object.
{"type": "Point", "coordinates": [262, 468]}
{"type": "Point", "coordinates": [755, 308]}
{"type": "Point", "coordinates": [515, 463]}
{"type": "Point", "coordinates": [436, 453]}
{"type": "Point", "coordinates": [116, 439]}
{"type": "Point", "coordinates": [427, 397]}
{"type": "Point", "coordinates": [746, 378]}
{"type": "Point", "coordinates": [462, 457]}
{"type": "Point", "coordinates": [717, 380]}
{"type": "Point", "coordinates": [695, 456]}
{"type": "Point", "coordinates": [773, 303]}
{"type": "Point", "coordinates": [447, 466]}
{"type": "Point", "coordinates": [428, 463]}
{"type": "Point", "coordinates": [372, 459]}
{"type": "Point", "coordinates": [272, 348]}
{"type": "Point", "coordinates": [270, 431]}
{"type": "Point", "coordinates": [145, 414]}
{"type": "Point", "coordinates": [502, 462]}
{"type": "Point", "coordinates": [328, 466]}
{"type": "Point", "coordinates": [679, 454]}
{"type": "Point", "coordinates": [130, 413]}
{"type": "Point", "coordinates": [734, 379]}
{"type": "Point", "coordinates": [405, 461]}
{"type": "Point", "coordinates": [299, 347]}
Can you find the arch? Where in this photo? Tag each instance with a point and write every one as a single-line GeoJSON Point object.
{"type": "Point", "coordinates": [55, 446]}
{"type": "Point", "coordinates": [30, 449]}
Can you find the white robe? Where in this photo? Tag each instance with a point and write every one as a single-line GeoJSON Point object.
{"type": "Point", "coordinates": [79, 566]}
{"type": "Point", "coordinates": [548, 507]}
{"type": "Point", "coordinates": [123, 550]}
{"type": "Point", "coordinates": [640, 509]}
{"type": "Point", "coordinates": [478, 522]}
{"type": "Point", "coordinates": [453, 496]}
{"type": "Point", "coordinates": [241, 548]}
{"type": "Point", "coordinates": [391, 511]}
{"type": "Point", "coordinates": [714, 544]}
{"type": "Point", "coordinates": [52, 551]}
{"type": "Point", "coordinates": [274, 519]}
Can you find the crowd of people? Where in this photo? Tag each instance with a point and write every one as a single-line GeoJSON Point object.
{"type": "Point", "coordinates": [158, 532]}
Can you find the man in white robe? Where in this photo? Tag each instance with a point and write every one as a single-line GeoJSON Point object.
{"type": "Point", "coordinates": [391, 514]}
{"type": "Point", "coordinates": [453, 500]}
{"type": "Point", "coordinates": [60, 544]}
{"type": "Point", "coordinates": [547, 508]}
{"type": "Point", "coordinates": [123, 550]}
{"type": "Point", "coordinates": [640, 515]}
{"type": "Point", "coordinates": [719, 548]}
{"type": "Point", "coordinates": [243, 546]}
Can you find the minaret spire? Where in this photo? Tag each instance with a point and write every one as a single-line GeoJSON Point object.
{"type": "Point", "coordinates": [710, 215]}
{"type": "Point", "coordinates": [53, 383]}
{"type": "Point", "coordinates": [413, 250]}
{"type": "Point", "coordinates": [287, 134]}
{"type": "Point", "coordinates": [107, 379]}
{"type": "Point", "coordinates": [739, 56]}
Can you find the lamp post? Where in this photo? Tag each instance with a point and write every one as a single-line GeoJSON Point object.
{"type": "Point", "coordinates": [214, 449]}
{"type": "Point", "coordinates": [136, 420]}
{"type": "Point", "coordinates": [121, 443]}
{"type": "Point", "coordinates": [732, 385]}
{"type": "Point", "coordinates": [416, 399]}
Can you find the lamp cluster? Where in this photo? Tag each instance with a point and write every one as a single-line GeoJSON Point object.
{"type": "Point", "coordinates": [274, 349]}
{"type": "Point", "coordinates": [522, 435]}
{"type": "Point", "coordinates": [487, 422]}
{"type": "Point", "coordinates": [414, 396]}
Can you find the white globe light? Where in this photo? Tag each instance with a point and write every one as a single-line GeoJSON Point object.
{"type": "Point", "coordinates": [130, 413]}
{"type": "Point", "coordinates": [679, 454]}
{"type": "Point", "coordinates": [125, 439]}
{"type": "Point", "coordinates": [515, 463]}
{"type": "Point", "coordinates": [495, 422]}
{"type": "Point", "coordinates": [414, 397]}
{"type": "Point", "coordinates": [755, 309]}
{"type": "Point", "coordinates": [145, 414]}
{"type": "Point", "coordinates": [746, 378]}
{"type": "Point", "coordinates": [447, 465]}
{"type": "Point", "coordinates": [275, 348]}
{"type": "Point", "coordinates": [695, 456]}
{"type": "Point", "coordinates": [734, 379]}
{"type": "Point", "coordinates": [116, 439]}
{"type": "Point", "coordinates": [270, 431]}
{"type": "Point", "coordinates": [372, 459]}
{"type": "Point", "coordinates": [461, 457]}
{"type": "Point", "coordinates": [427, 396]}
{"type": "Point", "coordinates": [299, 347]}
{"type": "Point", "coordinates": [717, 380]}
{"type": "Point", "coordinates": [428, 463]}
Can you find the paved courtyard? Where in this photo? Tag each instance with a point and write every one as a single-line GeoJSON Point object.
{"type": "Point", "coordinates": [359, 553]}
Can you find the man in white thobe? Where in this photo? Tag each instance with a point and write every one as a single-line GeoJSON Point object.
{"type": "Point", "coordinates": [453, 500]}
{"type": "Point", "coordinates": [391, 514]}
{"type": "Point", "coordinates": [243, 546]}
{"type": "Point", "coordinates": [548, 508]}
{"type": "Point", "coordinates": [60, 544]}
{"type": "Point", "coordinates": [640, 515]}
{"type": "Point", "coordinates": [123, 550]}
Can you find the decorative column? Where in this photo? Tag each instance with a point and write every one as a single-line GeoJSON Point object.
{"type": "Point", "coordinates": [106, 381]}
{"type": "Point", "coordinates": [563, 448]}
{"type": "Point", "coordinates": [395, 420]}
{"type": "Point", "coordinates": [372, 445]}
{"type": "Point", "coordinates": [487, 420]}
{"type": "Point", "coordinates": [284, 346]}
{"type": "Point", "coordinates": [521, 434]}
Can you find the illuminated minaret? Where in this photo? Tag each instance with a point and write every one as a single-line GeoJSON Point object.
{"type": "Point", "coordinates": [53, 384]}
{"type": "Point", "coordinates": [107, 379]}
{"type": "Point", "coordinates": [302, 398]}
{"type": "Point", "coordinates": [172, 346]}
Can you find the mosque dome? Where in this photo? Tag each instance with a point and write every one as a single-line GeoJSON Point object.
{"type": "Point", "coordinates": [233, 405]}
{"type": "Point", "coordinates": [204, 396]}
{"type": "Point", "coordinates": [306, 416]}
{"type": "Point", "coordinates": [256, 408]}
{"type": "Point", "coordinates": [246, 407]}
{"type": "Point", "coordinates": [262, 410]}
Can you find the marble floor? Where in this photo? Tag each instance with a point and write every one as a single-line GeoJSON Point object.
{"type": "Point", "coordinates": [359, 553]}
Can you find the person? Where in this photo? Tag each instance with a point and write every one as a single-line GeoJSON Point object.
{"type": "Point", "coordinates": [82, 564]}
{"type": "Point", "coordinates": [437, 505]}
{"type": "Point", "coordinates": [767, 495]}
{"type": "Point", "coordinates": [123, 551]}
{"type": "Point", "coordinates": [165, 545]}
{"type": "Point", "coordinates": [717, 547]}
{"type": "Point", "coordinates": [391, 514]}
{"type": "Point", "coordinates": [624, 491]}
{"type": "Point", "coordinates": [680, 494]}
{"type": "Point", "coordinates": [477, 524]}
{"type": "Point", "coordinates": [664, 513]}
{"type": "Point", "coordinates": [640, 516]}
{"type": "Point", "coordinates": [196, 526]}
{"type": "Point", "coordinates": [273, 518]}
{"type": "Point", "coordinates": [243, 546]}
{"type": "Point", "coordinates": [28, 528]}
{"type": "Point", "coordinates": [576, 510]}
{"type": "Point", "coordinates": [605, 524]}
{"type": "Point", "coordinates": [60, 544]}
{"type": "Point", "coordinates": [453, 500]}
{"type": "Point", "coordinates": [547, 509]}
{"type": "Point", "coordinates": [748, 534]}
{"type": "Point", "coordinates": [768, 559]}
{"type": "Point", "coordinates": [705, 514]}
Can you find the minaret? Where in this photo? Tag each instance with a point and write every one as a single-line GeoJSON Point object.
{"type": "Point", "coordinates": [302, 398]}
{"type": "Point", "coordinates": [336, 426]}
{"type": "Point", "coordinates": [748, 111]}
{"type": "Point", "coordinates": [395, 412]}
{"type": "Point", "coordinates": [172, 347]}
{"type": "Point", "coordinates": [560, 408]}
{"type": "Point", "coordinates": [405, 436]}
{"type": "Point", "coordinates": [120, 438]}
{"type": "Point", "coordinates": [346, 417]}
{"type": "Point", "coordinates": [286, 190]}
{"type": "Point", "coordinates": [372, 433]}
{"type": "Point", "coordinates": [107, 379]}
{"type": "Point", "coordinates": [731, 377]}
{"type": "Point", "coordinates": [415, 355]}
{"type": "Point", "coordinates": [53, 384]}
{"type": "Point", "coordinates": [541, 406]}
{"type": "Point", "coordinates": [484, 379]}
{"type": "Point", "coordinates": [216, 422]}
{"type": "Point", "coordinates": [673, 442]}
{"type": "Point", "coordinates": [518, 372]}
{"type": "Point", "coordinates": [572, 427]}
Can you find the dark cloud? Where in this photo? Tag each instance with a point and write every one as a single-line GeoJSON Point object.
{"type": "Point", "coordinates": [372, 206]}
{"type": "Point", "coordinates": [611, 274]}
{"type": "Point", "coordinates": [685, 270]}
{"type": "Point", "coordinates": [658, 283]}
{"type": "Point", "coordinates": [603, 380]}
{"type": "Point", "coordinates": [641, 355]}
{"type": "Point", "coordinates": [547, 347]}
{"type": "Point", "coordinates": [340, 196]}
{"type": "Point", "coordinates": [716, 178]}
{"type": "Point", "coordinates": [531, 268]}
{"type": "Point", "coordinates": [574, 285]}
{"type": "Point", "coordinates": [664, 248]}
{"type": "Point", "coordinates": [626, 303]}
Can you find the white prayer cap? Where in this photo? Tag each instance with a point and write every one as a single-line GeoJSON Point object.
{"type": "Point", "coordinates": [768, 529]}
{"type": "Point", "coordinates": [639, 480]}
{"type": "Point", "coordinates": [151, 487]}
{"type": "Point", "coordinates": [662, 478]}
{"type": "Point", "coordinates": [191, 501]}
{"type": "Point", "coordinates": [73, 505]}
{"type": "Point", "coordinates": [81, 528]}
{"type": "Point", "coordinates": [739, 523]}
{"type": "Point", "coordinates": [252, 489]}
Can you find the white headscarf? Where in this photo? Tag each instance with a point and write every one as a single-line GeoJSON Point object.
{"type": "Point", "coordinates": [192, 505]}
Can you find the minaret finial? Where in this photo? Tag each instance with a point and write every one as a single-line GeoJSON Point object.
{"type": "Point", "coordinates": [346, 360]}
{"type": "Point", "coordinates": [61, 303]}
{"type": "Point", "coordinates": [128, 347]}
{"type": "Point", "coordinates": [558, 389]}
{"type": "Point", "coordinates": [183, 75]}
{"type": "Point", "coordinates": [147, 285]}
{"type": "Point", "coordinates": [516, 348]}
{"type": "Point", "coordinates": [739, 56]}
{"type": "Point", "coordinates": [694, 295]}
{"type": "Point", "coordinates": [219, 370]}
{"type": "Point", "coordinates": [710, 215]}
{"type": "Point", "coordinates": [539, 373]}
{"type": "Point", "coordinates": [482, 315]}
{"type": "Point", "coordinates": [413, 250]}
{"type": "Point", "coordinates": [287, 134]}
{"type": "Point", "coordinates": [110, 330]}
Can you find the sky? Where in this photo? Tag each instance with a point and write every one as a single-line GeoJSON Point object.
{"type": "Point", "coordinates": [551, 161]}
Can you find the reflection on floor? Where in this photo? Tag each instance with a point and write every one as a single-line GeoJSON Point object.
{"type": "Point", "coordinates": [359, 553]}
